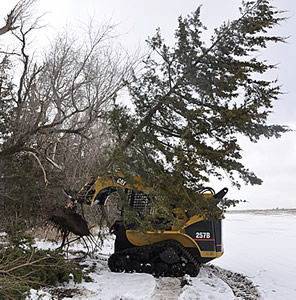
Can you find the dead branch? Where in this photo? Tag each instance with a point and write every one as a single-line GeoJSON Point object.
{"type": "Point", "coordinates": [20, 12]}
{"type": "Point", "coordinates": [41, 167]}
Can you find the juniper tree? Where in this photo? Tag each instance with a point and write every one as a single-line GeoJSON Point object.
{"type": "Point", "coordinates": [193, 100]}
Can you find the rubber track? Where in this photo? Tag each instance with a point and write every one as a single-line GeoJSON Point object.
{"type": "Point", "coordinates": [136, 252]}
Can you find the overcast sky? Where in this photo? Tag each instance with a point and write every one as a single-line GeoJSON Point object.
{"type": "Point", "coordinates": [274, 160]}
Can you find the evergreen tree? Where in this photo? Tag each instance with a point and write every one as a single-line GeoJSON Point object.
{"type": "Point", "coordinates": [191, 103]}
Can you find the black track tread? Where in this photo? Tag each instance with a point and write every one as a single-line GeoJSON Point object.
{"type": "Point", "coordinates": [163, 244]}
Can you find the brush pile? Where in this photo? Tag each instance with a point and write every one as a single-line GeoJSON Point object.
{"type": "Point", "coordinates": [68, 221]}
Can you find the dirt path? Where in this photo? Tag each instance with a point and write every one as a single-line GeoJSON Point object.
{"type": "Point", "coordinates": [241, 286]}
{"type": "Point", "coordinates": [167, 288]}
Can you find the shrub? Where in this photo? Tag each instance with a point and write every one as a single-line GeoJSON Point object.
{"type": "Point", "coordinates": [23, 267]}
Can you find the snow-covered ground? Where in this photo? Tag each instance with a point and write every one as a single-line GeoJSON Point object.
{"type": "Point", "coordinates": [262, 246]}
{"type": "Point", "coordinates": [258, 245]}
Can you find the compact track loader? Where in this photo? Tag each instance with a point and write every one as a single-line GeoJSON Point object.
{"type": "Point", "coordinates": [172, 252]}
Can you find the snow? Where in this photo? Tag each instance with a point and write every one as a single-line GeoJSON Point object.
{"type": "Point", "coordinates": [108, 285]}
{"type": "Point", "coordinates": [206, 287]}
{"type": "Point", "coordinates": [260, 246]}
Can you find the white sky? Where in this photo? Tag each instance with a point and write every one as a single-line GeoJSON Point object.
{"type": "Point", "coordinates": [274, 160]}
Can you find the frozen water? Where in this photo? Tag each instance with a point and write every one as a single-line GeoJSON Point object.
{"type": "Point", "coordinates": [262, 246]}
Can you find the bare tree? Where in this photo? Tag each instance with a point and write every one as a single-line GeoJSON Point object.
{"type": "Point", "coordinates": [52, 108]}
{"type": "Point", "coordinates": [66, 94]}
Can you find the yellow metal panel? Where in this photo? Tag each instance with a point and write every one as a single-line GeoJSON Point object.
{"type": "Point", "coordinates": [219, 254]}
{"type": "Point", "coordinates": [140, 239]}
{"type": "Point", "coordinates": [117, 180]}
{"type": "Point", "coordinates": [206, 254]}
{"type": "Point", "coordinates": [193, 220]}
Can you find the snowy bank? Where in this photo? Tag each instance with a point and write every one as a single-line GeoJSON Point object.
{"type": "Point", "coordinates": [259, 246]}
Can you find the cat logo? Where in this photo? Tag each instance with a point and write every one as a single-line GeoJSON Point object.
{"type": "Point", "coordinates": [120, 181]}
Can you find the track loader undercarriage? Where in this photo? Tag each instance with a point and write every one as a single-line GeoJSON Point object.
{"type": "Point", "coordinates": [166, 258]}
